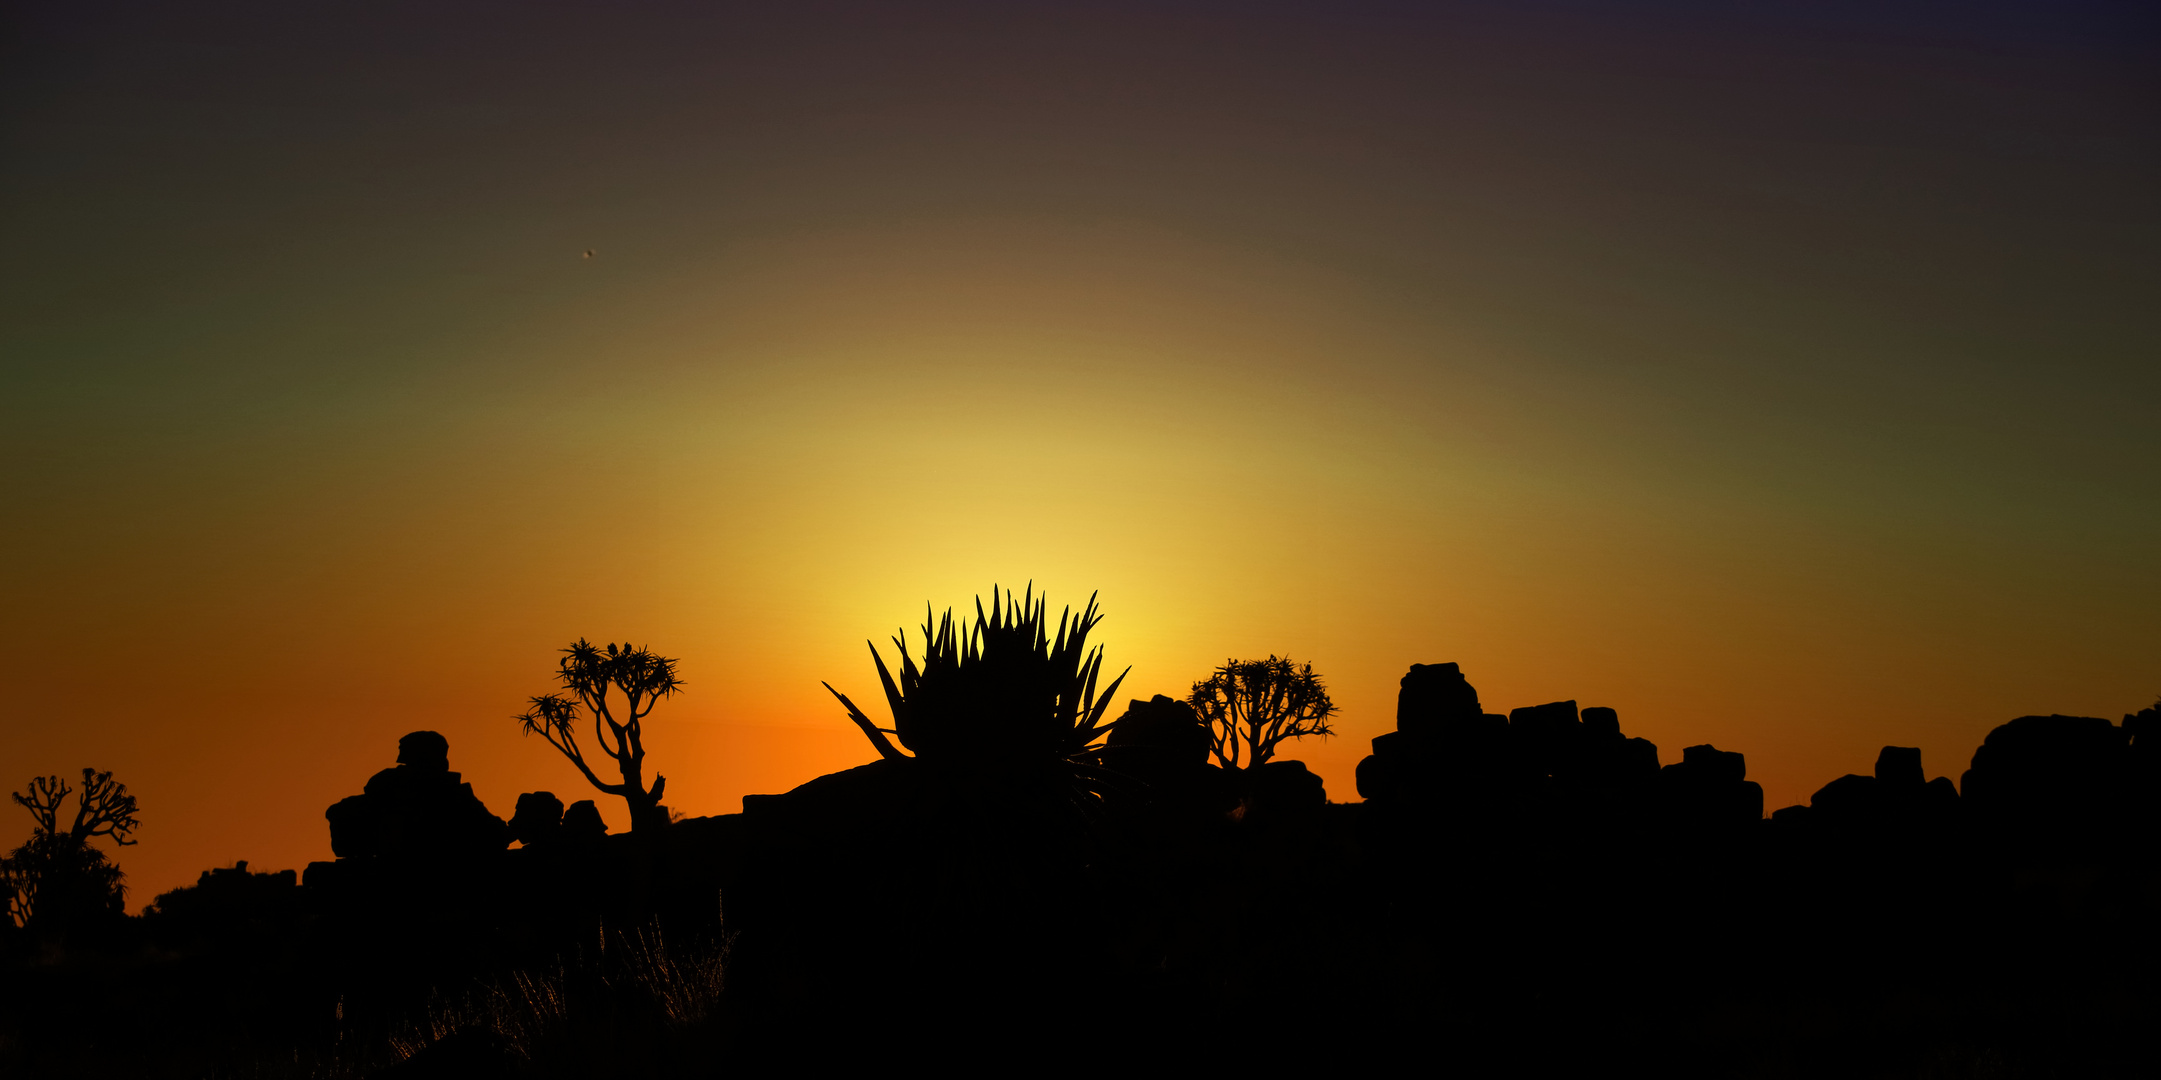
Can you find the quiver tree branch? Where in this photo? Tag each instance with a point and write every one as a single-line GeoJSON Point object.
{"type": "Point", "coordinates": [554, 718]}
{"type": "Point", "coordinates": [102, 808]}
{"type": "Point", "coordinates": [43, 801]}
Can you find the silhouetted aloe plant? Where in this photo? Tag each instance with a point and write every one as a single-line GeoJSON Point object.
{"type": "Point", "coordinates": [1000, 696]}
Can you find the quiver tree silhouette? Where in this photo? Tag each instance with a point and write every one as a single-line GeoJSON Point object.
{"type": "Point", "coordinates": [1001, 697]}
{"type": "Point", "coordinates": [57, 876]}
{"type": "Point", "coordinates": [1252, 705]}
{"type": "Point", "coordinates": [637, 676]}
{"type": "Point", "coordinates": [102, 808]}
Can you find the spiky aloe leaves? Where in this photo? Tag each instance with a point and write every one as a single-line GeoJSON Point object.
{"type": "Point", "coordinates": [1002, 693]}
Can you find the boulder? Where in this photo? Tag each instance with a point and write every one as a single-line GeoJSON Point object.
{"type": "Point", "coordinates": [1900, 765]}
{"type": "Point", "coordinates": [538, 820]}
{"type": "Point", "coordinates": [1851, 798]}
{"type": "Point", "coordinates": [1717, 766]}
{"type": "Point", "coordinates": [1550, 726]}
{"type": "Point", "coordinates": [1283, 789]}
{"type": "Point", "coordinates": [1638, 758]}
{"type": "Point", "coordinates": [1164, 728]}
{"type": "Point", "coordinates": [582, 823]}
{"type": "Point", "coordinates": [1602, 724]}
{"type": "Point", "coordinates": [1443, 746]}
{"type": "Point", "coordinates": [418, 809]}
{"type": "Point", "coordinates": [1375, 776]}
{"type": "Point", "coordinates": [1707, 789]}
{"type": "Point", "coordinates": [2052, 774]}
{"type": "Point", "coordinates": [1159, 751]}
{"type": "Point", "coordinates": [1431, 696]}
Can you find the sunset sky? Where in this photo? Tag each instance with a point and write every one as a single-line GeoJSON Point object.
{"type": "Point", "coordinates": [1784, 377]}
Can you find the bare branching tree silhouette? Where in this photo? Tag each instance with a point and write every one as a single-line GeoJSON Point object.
{"type": "Point", "coordinates": [102, 808]}
{"type": "Point", "coordinates": [57, 876]}
{"type": "Point", "coordinates": [592, 677]}
{"type": "Point", "coordinates": [1252, 705]}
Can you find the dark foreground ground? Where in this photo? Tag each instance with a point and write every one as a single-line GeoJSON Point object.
{"type": "Point", "coordinates": [874, 919]}
{"type": "Point", "coordinates": [1526, 894]}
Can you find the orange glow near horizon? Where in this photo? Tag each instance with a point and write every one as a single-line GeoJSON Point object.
{"type": "Point", "coordinates": [1580, 356]}
{"type": "Point", "coordinates": [765, 473]}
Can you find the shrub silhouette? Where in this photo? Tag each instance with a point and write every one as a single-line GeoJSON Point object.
{"type": "Point", "coordinates": [57, 877]}
{"type": "Point", "coordinates": [641, 678]}
{"type": "Point", "coordinates": [1252, 705]}
{"type": "Point", "coordinates": [1001, 696]}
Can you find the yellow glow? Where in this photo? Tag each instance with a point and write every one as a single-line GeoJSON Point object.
{"type": "Point", "coordinates": [756, 464]}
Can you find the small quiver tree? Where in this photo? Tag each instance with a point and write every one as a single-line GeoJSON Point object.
{"type": "Point", "coordinates": [1252, 705]}
{"type": "Point", "coordinates": [58, 879]}
{"type": "Point", "coordinates": [616, 689]}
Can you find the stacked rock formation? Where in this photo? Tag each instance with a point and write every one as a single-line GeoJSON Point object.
{"type": "Point", "coordinates": [417, 810]}
{"type": "Point", "coordinates": [1451, 758]}
{"type": "Point", "coordinates": [1709, 789]}
{"type": "Point", "coordinates": [541, 823]}
{"type": "Point", "coordinates": [1889, 805]}
{"type": "Point", "coordinates": [2067, 783]}
{"type": "Point", "coordinates": [1444, 750]}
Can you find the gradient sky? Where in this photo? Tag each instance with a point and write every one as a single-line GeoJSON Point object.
{"type": "Point", "coordinates": [1786, 379]}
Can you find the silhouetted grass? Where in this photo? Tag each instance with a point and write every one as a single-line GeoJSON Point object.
{"type": "Point", "coordinates": [632, 1001]}
{"type": "Point", "coordinates": [635, 1000]}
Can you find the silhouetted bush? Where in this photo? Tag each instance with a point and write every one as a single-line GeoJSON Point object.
{"type": "Point", "coordinates": [58, 883]}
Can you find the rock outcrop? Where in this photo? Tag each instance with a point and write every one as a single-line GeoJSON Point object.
{"type": "Point", "coordinates": [417, 810]}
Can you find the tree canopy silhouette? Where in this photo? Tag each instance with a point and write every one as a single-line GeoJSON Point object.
{"type": "Point", "coordinates": [1252, 705]}
{"type": "Point", "coordinates": [57, 876]}
{"type": "Point", "coordinates": [591, 677]}
{"type": "Point", "coordinates": [102, 808]}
